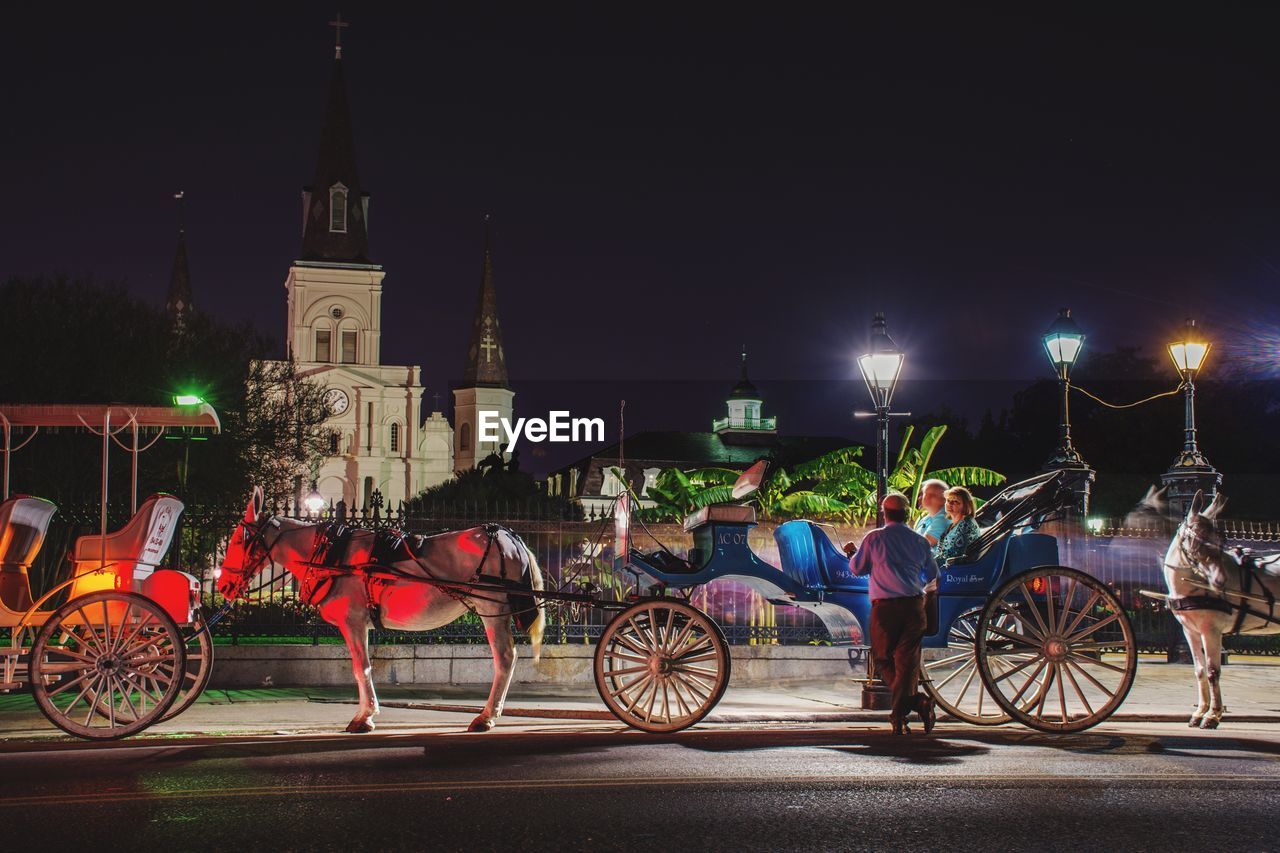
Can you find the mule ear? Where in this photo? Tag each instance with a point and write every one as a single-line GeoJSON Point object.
{"type": "Point", "coordinates": [1215, 507]}
{"type": "Point", "coordinates": [256, 503]}
{"type": "Point", "coordinates": [1197, 503]}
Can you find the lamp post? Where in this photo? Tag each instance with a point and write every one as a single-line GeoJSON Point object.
{"type": "Point", "coordinates": [880, 368]}
{"type": "Point", "coordinates": [1190, 471]}
{"type": "Point", "coordinates": [1063, 342]}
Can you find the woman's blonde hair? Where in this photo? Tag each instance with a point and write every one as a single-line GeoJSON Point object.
{"type": "Point", "coordinates": [967, 505]}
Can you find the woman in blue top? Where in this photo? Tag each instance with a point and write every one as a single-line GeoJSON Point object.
{"type": "Point", "coordinates": [963, 530]}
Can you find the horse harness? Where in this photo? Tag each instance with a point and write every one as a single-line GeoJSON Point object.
{"type": "Point", "coordinates": [333, 542]}
{"type": "Point", "coordinates": [1250, 566]}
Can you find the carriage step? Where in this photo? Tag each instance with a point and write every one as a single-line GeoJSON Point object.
{"type": "Point", "coordinates": [6, 686]}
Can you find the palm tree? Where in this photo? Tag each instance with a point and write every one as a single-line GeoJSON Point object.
{"type": "Point", "coordinates": [834, 486]}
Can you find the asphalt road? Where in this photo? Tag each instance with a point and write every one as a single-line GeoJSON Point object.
{"type": "Point", "coordinates": [1130, 787]}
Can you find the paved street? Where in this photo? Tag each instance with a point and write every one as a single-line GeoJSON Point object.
{"type": "Point", "coordinates": [590, 786]}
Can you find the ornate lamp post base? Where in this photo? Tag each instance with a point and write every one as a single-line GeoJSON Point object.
{"type": "Point", "coordinates": [1190, 473]}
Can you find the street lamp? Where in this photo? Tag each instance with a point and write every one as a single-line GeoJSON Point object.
{"type": "Point", "coordinates": [314, 501]}
{"type": "Point", "coordinates": [1191, 471]}
{"type": "Point", "coordinates": [1062, 343]}
{"type": "Point", "coordinates": [880, 368]}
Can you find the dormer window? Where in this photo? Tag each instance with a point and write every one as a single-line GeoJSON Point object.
{"type": "Point", "coordinates": [338, 208]}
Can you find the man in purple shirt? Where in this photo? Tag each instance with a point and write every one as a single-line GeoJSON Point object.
{"type": "Point", "coordinates": [900, 562]}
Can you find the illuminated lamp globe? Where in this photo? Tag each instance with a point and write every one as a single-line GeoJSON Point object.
{"type": "Point", "coordinates": [882, 365]}
{"type": "Point", "coordinates": [1189, 351]}
{"type": "Point", "coordinates": [314, 501]}
{"type": "Point", "coordinates": [1063, 342]}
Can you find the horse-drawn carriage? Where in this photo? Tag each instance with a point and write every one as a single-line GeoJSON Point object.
{"type": "Point", "coordinates": [1018, 637]}
{"type": "Point", "coordinates": [119, 644]}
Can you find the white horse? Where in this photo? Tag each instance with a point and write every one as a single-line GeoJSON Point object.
{"type": "Point", "coordinates": [487, 570]}
{"type": "Point", "coordinates": [1215, 590]}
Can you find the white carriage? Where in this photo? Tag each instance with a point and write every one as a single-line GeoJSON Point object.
{"type": "Point", "coordinates": [119, 644]}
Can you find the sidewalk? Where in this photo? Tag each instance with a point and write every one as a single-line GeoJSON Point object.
{"type": "Point", "coordinates": [1161, 693]}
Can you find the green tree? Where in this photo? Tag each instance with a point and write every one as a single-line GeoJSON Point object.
{"type": "Point", "coordinates": [73, 341]}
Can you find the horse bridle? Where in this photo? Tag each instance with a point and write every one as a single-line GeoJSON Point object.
{"type": "Point", "coordinates": [248, 569]}
{"type": "Point", "coordinates": [1197, 542]}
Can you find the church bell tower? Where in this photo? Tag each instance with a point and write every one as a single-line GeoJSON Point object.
{"type": "Point", "coordinates": [485, 386]}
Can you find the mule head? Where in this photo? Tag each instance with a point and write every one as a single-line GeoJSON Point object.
{"type": "Point", "coordinates": [1151, 512]}
{"type": "Point", "coordinates": [1198, 539]}
{"type": "Point", "coordinates": [246, 552]}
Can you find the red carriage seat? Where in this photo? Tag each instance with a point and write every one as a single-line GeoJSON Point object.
{"type": "Point", "coordinates": [24, 520]}
{"type": "Point", "coordinates": [134, 551]}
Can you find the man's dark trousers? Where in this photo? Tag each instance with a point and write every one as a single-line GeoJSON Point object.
{"type": "Point", "coordinates": [897, 627]}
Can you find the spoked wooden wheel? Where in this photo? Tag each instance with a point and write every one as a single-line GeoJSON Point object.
{"type": "Point", "coordinates": [107, 665]}
{"type": "Point", "coordinates": [661, 665]}
{"type": "Point", "coordinates": [1056, 650]}
{"type": "Point", "coordinates": [198, 668]}
{"type": "Point", "coordinates": [952, 679]}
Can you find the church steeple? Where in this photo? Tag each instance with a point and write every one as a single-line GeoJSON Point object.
{"type": "Point", "coordinates": [335, 210]}
{"type": "Point", "coordinates": [486, 360]}
{"type": "Point", "coordinates": [178, 306]}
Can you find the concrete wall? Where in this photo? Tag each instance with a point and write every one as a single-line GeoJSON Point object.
{"type": "Point", "coordinates": [329, 665]}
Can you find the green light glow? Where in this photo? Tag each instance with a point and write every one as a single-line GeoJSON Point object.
{"type": "Point", "coordinates": [187, 399]}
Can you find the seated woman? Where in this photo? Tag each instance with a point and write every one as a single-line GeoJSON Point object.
{"type": "Point", "coordinates": [962, 530]}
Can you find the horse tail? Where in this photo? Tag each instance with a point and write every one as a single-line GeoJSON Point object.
{"type": "Point", "coordinates": [540, 617]}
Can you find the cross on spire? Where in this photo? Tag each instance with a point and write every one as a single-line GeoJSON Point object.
{"type": "Point", "coordinates": [338, 26]}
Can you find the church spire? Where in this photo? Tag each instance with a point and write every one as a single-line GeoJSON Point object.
{"type": "Point", "coordinates": [335, 210]}
{"type": "Point", "coordinates": [178, 306]}
{"type": "Point", "coordinates": [486, 361]}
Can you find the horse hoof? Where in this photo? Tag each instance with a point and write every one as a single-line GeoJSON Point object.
{"type": "Point", "coordinates": [360, 727]}
{"type": "Point", "coordinates": [1209, 723]}
{"type": "Point", "coordinates": [1194, 722]}
{"type": "Point", "coordinates": [481, 724]}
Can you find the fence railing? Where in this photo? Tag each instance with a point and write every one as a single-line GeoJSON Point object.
{"type": "Point", "coordinates": [568, 550]}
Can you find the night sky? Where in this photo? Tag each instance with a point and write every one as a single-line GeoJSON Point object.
{"type": "Point", "coordinates": [670, 181]}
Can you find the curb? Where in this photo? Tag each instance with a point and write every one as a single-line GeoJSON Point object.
{"type": "Point", "coordinates": [853, 716]}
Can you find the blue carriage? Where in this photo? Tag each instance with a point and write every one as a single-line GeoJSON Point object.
{"type": "Point", "coordinates": [1017, 635]}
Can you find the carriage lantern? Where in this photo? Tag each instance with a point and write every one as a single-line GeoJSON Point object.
{"type": "Point", "coordinates": [880, 368]}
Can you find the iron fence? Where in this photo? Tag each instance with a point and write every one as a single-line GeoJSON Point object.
{"type": "Point", "coordinates": [576, 550]}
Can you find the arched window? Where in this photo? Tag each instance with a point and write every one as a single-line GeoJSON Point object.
{"type": "Point", "coordinates": [338, 208]}
{"type": "Point", "coordinates": [324, 345]}
{"type": "Point", "coordinates": [333, 443]}
{"type": "Point", "coordinates": [464, 437]}
{"type": "Point", "coordinates": [612, 486]}
{"type": "Point", "coordinates": [395, 438]}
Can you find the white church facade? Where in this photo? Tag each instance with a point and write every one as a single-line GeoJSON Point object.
{"type": "Point", "coordinates": [379, 440]}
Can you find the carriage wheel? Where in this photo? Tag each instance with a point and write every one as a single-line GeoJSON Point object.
{"type": "Point", "coordinates": [1056, 649]}
{"type": "Point", "coordinates": [107, 665]}
{"type": "Point", "coordinates": [199, 666]}
{"type": "Point", "coordinates": [661, 665]}
{"type": "Point", "coordinates": [953, 681]}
